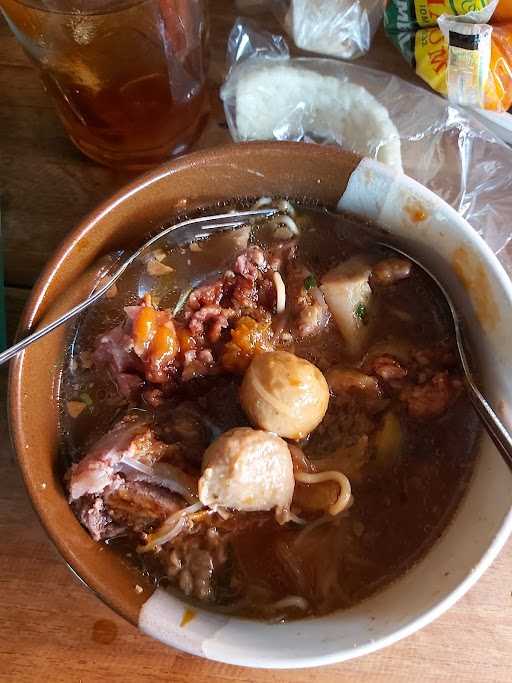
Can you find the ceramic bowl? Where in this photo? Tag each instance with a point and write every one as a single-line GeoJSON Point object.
{"type": "Point", "coordinates": [332, 177]}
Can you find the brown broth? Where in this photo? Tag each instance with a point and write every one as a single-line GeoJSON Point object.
{"type": "Point", "coordinates": [399, 509]}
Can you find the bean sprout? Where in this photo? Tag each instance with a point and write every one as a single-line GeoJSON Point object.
{"type": "Point", "coordinates": [223, 512]}
{"type": "Point", "coordinates": [297, 520]}
{"type": "Point", "coordinates": [172, 527]}
{"type": "Point", "coordinates": [289, 601]}
{"type": "Point", "coordinates": [261, 202]}
{"type": "Point", "coordinates": [288, 221]}
{"type": "Point", "coordinates": [317, 295]}
{"type": "Point", "coordinates": [286, 206]}
{"type": "Point", "coordinates": [308, 528]}
{"type": "Point", "coordinates": [181, 301]}
{"type": "Point", "coordinates": [280, 292]}
{"type": "Point", "coordinates": [166, 475]}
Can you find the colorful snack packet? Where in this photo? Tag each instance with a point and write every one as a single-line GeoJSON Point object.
{"type": "Point", "coordinates": [409, 15]}
{"type": "Point", "coordinates": [470, 62]}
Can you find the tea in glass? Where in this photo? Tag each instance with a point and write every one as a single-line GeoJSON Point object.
{"type": "Point", "coordinates": [128, 78]}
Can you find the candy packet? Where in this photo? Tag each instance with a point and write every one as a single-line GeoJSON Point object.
{"type": "Point", "coordinates": [337, 28]}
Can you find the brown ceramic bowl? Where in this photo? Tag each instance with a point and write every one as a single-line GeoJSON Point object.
{"type": "Point", "coordinates": [191, 182]}
{"type": "Point", "coordinates": [200, 180]}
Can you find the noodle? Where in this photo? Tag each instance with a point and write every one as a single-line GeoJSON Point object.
{"type": "Point", "coordinates": [345, 493]}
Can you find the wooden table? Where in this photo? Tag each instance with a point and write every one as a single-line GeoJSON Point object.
{"type": "Point", "coordinates": [51, 627]}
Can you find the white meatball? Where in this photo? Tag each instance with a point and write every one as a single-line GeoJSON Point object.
{"type": "Point", "coordinates": [284, 394]}
{"type": "Point", "coordinates": [248, 470]}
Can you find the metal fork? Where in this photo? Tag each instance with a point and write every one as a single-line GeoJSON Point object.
{"type": "Point", "coordinates": [223, 220]}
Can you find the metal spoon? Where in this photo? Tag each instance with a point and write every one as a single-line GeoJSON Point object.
{"type": "Point", "coordinates": [499, 434]}
{"type": "Point", "coordinates": [225, 220]}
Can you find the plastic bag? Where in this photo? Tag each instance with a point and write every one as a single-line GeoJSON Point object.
{"type": "Point", "coordinates": [442, 146]}
{"type": "Point", "coordinates": [338, 28]}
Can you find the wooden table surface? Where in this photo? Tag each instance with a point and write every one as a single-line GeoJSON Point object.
{"type": "Point", "coordinates": [51, 627]}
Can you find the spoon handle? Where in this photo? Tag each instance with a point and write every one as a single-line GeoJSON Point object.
{"type": "Point", "coordinates": [492, 423]}
{"type": "Point", "coordinates": [43, 331]}
{"type": "Point", "coordinates": [499, 434]}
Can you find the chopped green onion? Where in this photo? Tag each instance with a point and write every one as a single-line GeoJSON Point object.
{"type": "Point", "coordinates": [181, 301]}
{"type": "Point", "coordinates": [309, 282]}
{"type": "Point", "coordinates": [361, 312]}
{"type": "Point", "coordinates": [85, 398]}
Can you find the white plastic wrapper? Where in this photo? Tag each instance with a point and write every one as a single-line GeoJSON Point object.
{"type": "Point", "coordinates": [441, 146]}
{"type": "Point", "coordinates": [469, 55]}
{"type": "Point", "coordinates": [338, 28]}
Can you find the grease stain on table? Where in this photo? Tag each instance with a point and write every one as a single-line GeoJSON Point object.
{"type": "Point", "coordinates": [104, 631]}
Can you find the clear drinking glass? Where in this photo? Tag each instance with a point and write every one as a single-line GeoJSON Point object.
{"type": "Point", "coordinates": [128, 77]}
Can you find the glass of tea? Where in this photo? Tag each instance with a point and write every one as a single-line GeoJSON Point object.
{"type": "Point", "coordinates": [128, 77]}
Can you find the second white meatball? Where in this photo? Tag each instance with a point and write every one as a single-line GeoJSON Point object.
{"type": "Point", "coordinates": [284, 394]}
{"type": "Point", "coordinates": [247, 469]}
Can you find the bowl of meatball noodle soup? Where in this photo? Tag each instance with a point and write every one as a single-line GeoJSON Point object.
{"type": "Point", "coordinates": [259, 447]}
